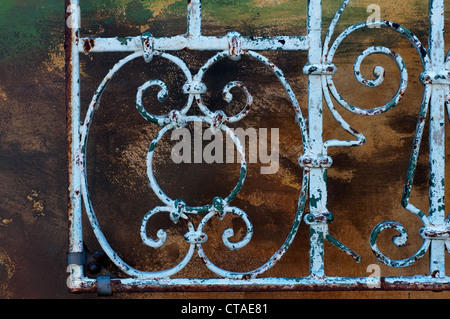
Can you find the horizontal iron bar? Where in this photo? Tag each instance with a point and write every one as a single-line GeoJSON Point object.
{"type": "Point", "coordinates": [198, 43]}
{"type": "Point", "coordinates": [415, 283]}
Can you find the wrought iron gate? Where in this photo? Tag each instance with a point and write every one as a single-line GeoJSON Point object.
{"type": "Point", "coordinates": [319, 71]}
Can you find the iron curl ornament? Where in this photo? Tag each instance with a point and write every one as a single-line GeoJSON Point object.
{"type": "Point", "coordinates": [378, 72]}
{"type": "Point", "coordinates": [314, 159]}
{"type": "Point", "coordinates": [177, 209]}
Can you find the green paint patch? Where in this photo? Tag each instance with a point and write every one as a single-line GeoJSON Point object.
{"type": "Point", "coordinates": [256, 13]}
{"type": "Point", "coordinates": [137, 13]}
{"type": "Point", "coordinates": [29, 26]}
{"type": "Point", "coordinates": [5, 5]}
{"type": "Point", "coordinates": [37, 27]}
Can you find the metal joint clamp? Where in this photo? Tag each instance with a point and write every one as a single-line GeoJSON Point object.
{"type": "Point", "coordinates": [326, 68]}
{"type": "Point", "coordinates": [435, 77]}
{"type": "Point", "coordinates": [147, 46]}
{"type": "Point", "coordinates": [309, 161]}
{"type": "Point", "coordinates": [234, 45]}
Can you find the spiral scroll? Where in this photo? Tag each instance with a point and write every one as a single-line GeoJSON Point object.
{"type": "Point", "coordinates": [329, 90]}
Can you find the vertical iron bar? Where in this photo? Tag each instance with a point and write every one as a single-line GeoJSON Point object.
{"type": "Point", "coordinates": [437, 136]}
{"type": "Point", "coordinates": [318, 188]}
{"type": "Point", "coordinates": [73, 123]}
{"type": "Point", "coordinates": [194, 24]}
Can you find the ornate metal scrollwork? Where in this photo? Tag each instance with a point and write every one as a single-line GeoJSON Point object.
{"type": "Point", "coordinates": [177, 208]}
{"type": "Point", "coordinates": [314, 160]}
{"type": "Point", "coordinates": [428, 232]}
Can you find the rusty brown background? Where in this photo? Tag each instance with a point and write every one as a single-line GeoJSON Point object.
{"type": "Point", "coordinates": [365, 183]}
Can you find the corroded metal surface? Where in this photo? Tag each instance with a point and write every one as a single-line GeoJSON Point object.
{"type": "Point", "coordinates": [315, 161]}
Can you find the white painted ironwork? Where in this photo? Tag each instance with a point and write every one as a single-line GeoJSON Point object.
{"type": "Point", "coordinates": [315, 161]}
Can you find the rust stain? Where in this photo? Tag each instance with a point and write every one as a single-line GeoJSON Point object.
{"type": "Point", "coordinates": [3, 95]}
{"type": "Point", "coordinates": [5, 222]}
{"type": "Point", "coordinates": [10, 267]}
{"type": "Point", "coordinates": [68, 78]}
{"type": "Point", "coordinates": [55, 59]}
{"type": "Point", "coordinates": [384, 285]}
{"type": "Point", "coordinates": [38, 204]}
{"type": "Point", "coordinates": [88, 44]}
